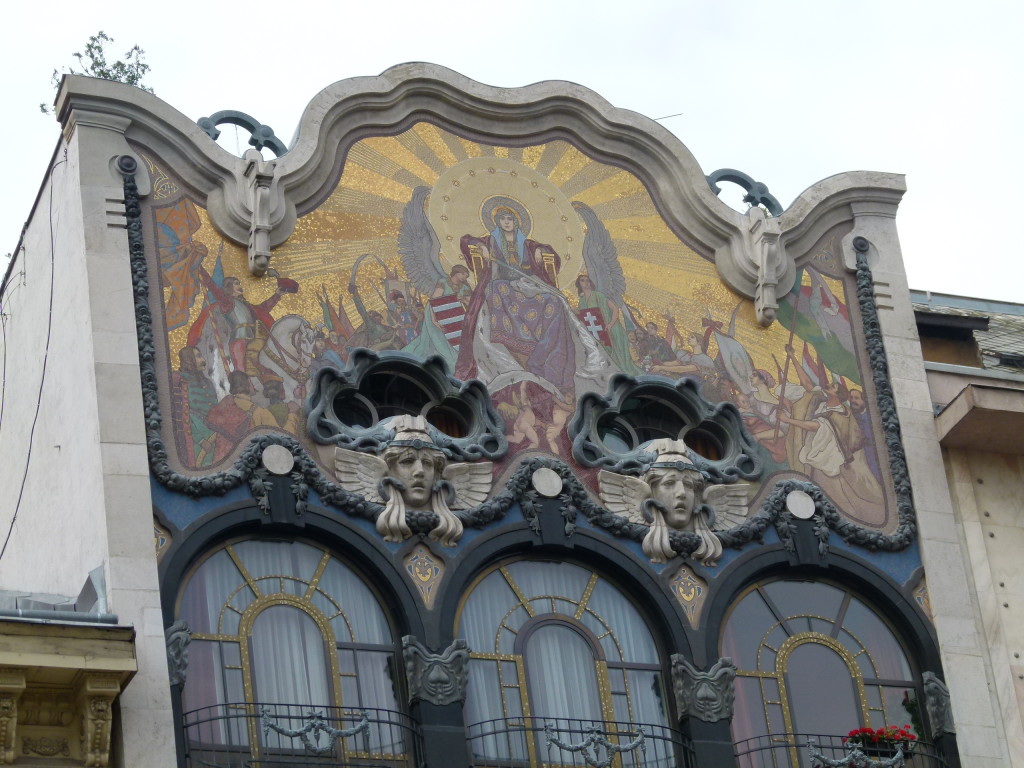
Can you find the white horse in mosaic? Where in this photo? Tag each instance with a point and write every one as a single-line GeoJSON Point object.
{"type": "Point", "coordinates": [288, 353]}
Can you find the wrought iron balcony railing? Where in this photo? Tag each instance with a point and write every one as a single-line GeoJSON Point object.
{"type": "Point", "coordinates": [549, 742]}
{"type": "Point", "coordinates": [782, 750]}
{"type": "Point", "coordinates": [262, 735]}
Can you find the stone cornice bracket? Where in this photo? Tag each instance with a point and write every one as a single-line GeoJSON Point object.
{"type": "Point", "coordinates": [259, 174]}
{"type": "Point", "coordinates": [754, 263]}
{"type": "Point", "coordinates": [12, 685]}
{"type": "Point", "coordinates": [936, 702]}
{"type": "Point", "coordinates": [96, 696]}
{"type": "Point", "coordinates": [437, 678]}
{"type": "Point", "coordinates": [707, 696]}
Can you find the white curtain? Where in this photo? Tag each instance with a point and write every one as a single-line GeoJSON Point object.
{"type": "Point", "coordinates": [561, 674]}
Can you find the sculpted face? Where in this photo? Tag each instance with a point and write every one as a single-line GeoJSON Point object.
{"type": "Point", "coordinates": [415, 469]}
{"type": "Point", "coordinates": [676, 490]}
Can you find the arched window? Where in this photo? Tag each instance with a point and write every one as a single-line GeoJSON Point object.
{"type": "Point", "coordinates": [555, 643]}
{"type": "Point", "coordinates": [813, 659]}
{"type": "Point", "coordinates": [282, 630]}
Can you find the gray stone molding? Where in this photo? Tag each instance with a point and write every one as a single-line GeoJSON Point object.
{"type": "Point", "coordinates": [437, 678]}
{"type": "Point", "coordinates": [754, 255]}
{"type": "Point", "coordinates": [937, 704]}
{"type": "Point", "coordinates": [707, 696]}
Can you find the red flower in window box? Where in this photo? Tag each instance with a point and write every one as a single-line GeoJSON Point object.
{"type": "Point", "coordinates": [890, 735]}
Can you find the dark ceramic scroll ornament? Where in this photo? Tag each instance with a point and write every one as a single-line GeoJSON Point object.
{"type": "Point", "coordinates": [437, 678]}
{"type": "Point", "coordinates": [706, 696]}
{"type": "Point", "coordinates": [178, 637]}
{"type": "Point", "coordinates": [937, 704]}
{"type": "Point", "coordinates": [336, 395]}
{"type": "Point", "coordinates": [757, 192]}
{"type": "Point", "coordinates": [740, 458]}
{"type": "Point", "coordinates": [260, 135]}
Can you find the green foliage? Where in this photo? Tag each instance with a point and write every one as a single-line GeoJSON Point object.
{"type": "Point", "coordinates": [93, 63]}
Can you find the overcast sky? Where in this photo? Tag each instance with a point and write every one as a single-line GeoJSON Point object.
{"type": "Point", "coordinates": [789, 92]}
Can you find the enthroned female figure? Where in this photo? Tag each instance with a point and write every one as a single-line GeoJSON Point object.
{"type": "Point", "coordinates": [516, 319]}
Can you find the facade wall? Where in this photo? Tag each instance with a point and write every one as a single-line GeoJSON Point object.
{"type": "Point", "coordinates": [986, 491]}
{"type": "Point", "coordinates": [625, 197]}
{"type": "Point", "coordinates": [958, 623]}
{"type": "Point", "coordinates": [48, 319]}
{"type": "Point", "coordinates": [89, 418]}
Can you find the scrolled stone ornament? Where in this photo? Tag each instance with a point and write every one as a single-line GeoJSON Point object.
{"type": "Point", "coordinates": [675, 494]}
{"type": "Point", "coordinates": [178, 636]}
{"type": "Point", "coordinates": [412, 473]}
{"type": "Point", "coordinates": [937, 704]}
{"type": "Point", "coordinates": [708, 696]}
{"type": "Point", "coordinates": [438, 678]}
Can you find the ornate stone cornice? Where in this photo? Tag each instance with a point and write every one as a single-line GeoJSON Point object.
{"type": "Point", "coordinates": [754, 254]}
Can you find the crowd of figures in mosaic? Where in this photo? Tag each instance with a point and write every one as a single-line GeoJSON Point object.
{"type": "Point", "coordinates": [545, 279]}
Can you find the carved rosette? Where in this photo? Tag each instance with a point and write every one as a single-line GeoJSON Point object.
{"type": "Point", "coordinates": [437, 678]}
{"type": "Point", "coordinates": [709, 695]}
{"type": "Point", "coordinates": [95, 703]}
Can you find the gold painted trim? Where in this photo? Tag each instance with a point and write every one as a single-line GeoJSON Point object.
{"type": "Point", "coordinates": [585, 599]}
{"type": "Point", "coordinates": [517, 591]}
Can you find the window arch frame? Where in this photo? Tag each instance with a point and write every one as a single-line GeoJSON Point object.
{"type": "Point", "coordinates": [356, 551]}
{"type": "Point", "coordinates": [869, 594]}
{"type": "Point", "coordinates": [595, 573]}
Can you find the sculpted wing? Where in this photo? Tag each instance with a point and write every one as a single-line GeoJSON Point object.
{"type": "Point", "coordinates": [418, 244]}
{"type": "Point", "coordinates": [623, 495]}
{"type": "Point", "coordinates": [471, 481]}
{"type": "Point", "coordinates": [600, 256]}
{"type": "Point", "coordinates": [359, 472]}
{"type": "Point", "coordinates": [729, 503]}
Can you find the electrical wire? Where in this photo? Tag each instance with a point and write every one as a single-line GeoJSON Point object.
{"type": "Point", "coordinates": [46, 356]}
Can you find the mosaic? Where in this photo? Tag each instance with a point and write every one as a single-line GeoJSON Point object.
{"type": "Point", "coordinates": [691, 592]}
{"type": "Point", "coordinates": [426, 571]}
{"type": "Point", "coordinates": [536, 269]}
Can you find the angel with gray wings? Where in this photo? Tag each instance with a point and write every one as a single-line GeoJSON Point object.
{"type": "Point", "coordinates": [674, 495]}
{"type": "Point", "coordinates": [412, 473]}
{"type": "Point", "coordinates": [445, 312]}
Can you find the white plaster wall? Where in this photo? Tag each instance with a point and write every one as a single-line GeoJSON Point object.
{"type": "Point", "coordinates": [59, 533]}
{"type": "Point", "coordinates": [87, 496]}
{"type": "Point", "coordinates": [967, 667]}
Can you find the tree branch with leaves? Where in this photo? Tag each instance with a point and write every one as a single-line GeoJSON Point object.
{"type": "Point", "coordinates": [92, 62]}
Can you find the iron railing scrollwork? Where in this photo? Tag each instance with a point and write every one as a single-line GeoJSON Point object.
{"type": "Point", "coordinates": [521, 742]}
{"type": "Point", "coordinates": [261, 735]}
{"type": "Point", "coordinates": [790, 750]}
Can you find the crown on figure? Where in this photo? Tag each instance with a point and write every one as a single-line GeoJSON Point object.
{"type": "Point", "coordinates": [673, 454]}
{"type": "Point", "coordinates": [412, 432]}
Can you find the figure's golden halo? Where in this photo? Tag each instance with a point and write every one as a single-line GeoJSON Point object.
{"type": "Point", "coordinates": [465, 197]}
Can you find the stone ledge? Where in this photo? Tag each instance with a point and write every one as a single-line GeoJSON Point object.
{"type": "Point", "coordinates": [58, 683]}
